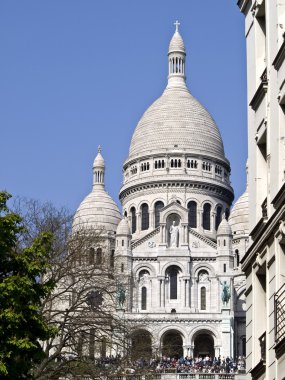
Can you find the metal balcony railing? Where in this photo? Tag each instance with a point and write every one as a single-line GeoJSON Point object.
{"type": "Point", "coordinates": [262, 342]}
{"type": "Point", "coordinates": [279, 314]}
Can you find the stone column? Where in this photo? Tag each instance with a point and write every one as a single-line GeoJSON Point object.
{"type": "Point", "coordinates": [199, 217]}
{"type": "Point", "coordinates": [213, 221]}
{"type": "Point", "coordinates": [139, 222]}
{"type": "Point", "coordinates": [151, 218]}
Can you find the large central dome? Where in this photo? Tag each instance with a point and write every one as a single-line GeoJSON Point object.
{"type": "Point", "coordinates": [177, 120]}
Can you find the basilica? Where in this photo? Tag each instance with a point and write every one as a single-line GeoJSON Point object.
{"type": "Point", "coordinates": [177, 244]}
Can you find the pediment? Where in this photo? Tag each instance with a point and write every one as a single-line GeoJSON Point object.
{"type": "Point", "coordinates": [199, 242]}
{"type": "Point", "coordinates": [174, 208]}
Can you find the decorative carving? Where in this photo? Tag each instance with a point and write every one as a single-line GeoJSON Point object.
{"type": "Point", "coordinates": [196, 244]}
{"type": "Point", "coordinates": [151, 244]}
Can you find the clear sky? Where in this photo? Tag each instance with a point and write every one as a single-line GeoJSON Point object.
{"type": "Point", "coordinates": [78, 73]}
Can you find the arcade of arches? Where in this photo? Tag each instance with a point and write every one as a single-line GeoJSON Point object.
{"type": "Point", "coordinates": [172, 344]}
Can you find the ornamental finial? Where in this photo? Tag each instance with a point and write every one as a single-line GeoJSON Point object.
{"type": "Point", "coordinates": [177, 23]}
{"type": "Point", "coordinates": [99, 149]}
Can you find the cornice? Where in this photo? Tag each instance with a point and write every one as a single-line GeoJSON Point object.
{"type": "Point", "coordinates": [262, 238]}
{"type": "Point", "coordinates": [260, 92]}
{"type": "Point", "coordinates": [280, 56]}
{"type": "Point", "coordinates": [176, 153]}
{"type": "Point", "coordinates": [195, 186]}
{"type": "Point", "coordinates": [242, 4]}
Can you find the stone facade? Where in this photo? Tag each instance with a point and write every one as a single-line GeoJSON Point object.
{"type": "Point", "coordinates": [176, 255]}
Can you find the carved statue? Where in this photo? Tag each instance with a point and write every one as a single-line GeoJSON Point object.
{"type": "Point", "coordinates": [174, 232]}
{"type": "Point", "coordinates": [226, 293]}
{"type": "Point", "coordinates": [121, 296]}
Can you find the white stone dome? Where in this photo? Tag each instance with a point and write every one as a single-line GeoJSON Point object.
{"type": "Point", "coordinates": [177, 120]}
{"type": "Point", "coordinates": [98, 210]}
{"type": "Point", "coordinates": [123, 227]}
{"type": "Point", "coordinates": [239, 217]}
{"type": "Point", "coordinates": [224, 228]}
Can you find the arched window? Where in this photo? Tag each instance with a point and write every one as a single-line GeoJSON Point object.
{"type": "Point", "coordinates": [145, 216]}
{"type": "Point", "coordinates": [125, 214]}
{"type": "Point", "coordinates": [112, 259]}
{"type": "Point", "coordinates": [91, 256]}
{"type": "Point", "coordinates": [192, 214]}
{"type": "Point", "coordinates": [172, 275]}
{"type": "Point", "coordinates": [134, 220]}
{"type": "Point", "coordinates": [144, 298]}
{"type": "Point", "coordinates": [218, 217]}
{"type": "Point", "coordinates": [203, 298]}
{"type": "Point", "coordinates": [207, 216]}
{"type": "Point", "coordinates": [157, 207]}
{"type": "Point", "coordinates": [99, 256]}
{"type": "Point", "coordinates": [227, 213]}
{"type": "Point", "coordinates": [237, 257]}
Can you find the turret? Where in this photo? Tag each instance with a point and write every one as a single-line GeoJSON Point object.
{"type": "Point", "coordinates": [224, 246]}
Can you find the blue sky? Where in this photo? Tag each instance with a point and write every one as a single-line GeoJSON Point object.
{"type": "Point", "coordinates": [76, 74]}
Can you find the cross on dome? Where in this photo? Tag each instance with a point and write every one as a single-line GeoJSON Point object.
{"type": "Point", "coordinates": [177, 24]}
{"type": "Point", "coordinates": [99, 149]}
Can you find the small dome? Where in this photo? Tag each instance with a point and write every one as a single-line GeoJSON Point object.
{"type": "Point", "coordinates": [176, 44]}
{"type": "Point", "coordinates": [97, 210]}
{"type": "Point", "coordinates": [123, 227]}
{"type": "Point", "coordinates": [224, 228]}
{"type": "Point", "coordinates": [239, 217]}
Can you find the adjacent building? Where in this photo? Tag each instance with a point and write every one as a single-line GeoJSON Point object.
{"type": "Point", "coordinates": [264, 262]}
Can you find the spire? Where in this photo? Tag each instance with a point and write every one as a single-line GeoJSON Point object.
{"type": "Point", "coordinates": [99, 170]}
{"type": "Point", "coordinates": [176, 60]}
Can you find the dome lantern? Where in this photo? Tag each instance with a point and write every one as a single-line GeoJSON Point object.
{"type": "Point", "coordinates": [99, 170]}
{"type": "Point", "coordinates": [176, 60]}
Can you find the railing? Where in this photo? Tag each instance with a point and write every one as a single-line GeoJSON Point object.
{"type": "Point", "coordinates": [176, 376]}
{"type": "Point", "coordinates": [262, 342]}
{"type": "Point", "coordinates": [279, 313]}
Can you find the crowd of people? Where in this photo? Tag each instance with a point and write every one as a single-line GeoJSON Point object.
{"type": "Point", "coordinates": [182, 365]}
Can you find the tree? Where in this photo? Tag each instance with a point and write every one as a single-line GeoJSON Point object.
{"type": "Point", "coordinates": [22, 326]}
{"type": "Point", "coordinates": [82, 305]}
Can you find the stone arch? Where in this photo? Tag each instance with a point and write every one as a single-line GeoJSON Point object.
{"type": "Point", "coordinates": [205, 330]}
{"type": "Point", "coordinates": [172, 340]}
{"type": "Point", "coordinates": [204, 266]}
{"type": "Point", "coordinates": [141, 344]}
{"type": "Point", "coordinates": [204, 345]}
{"type": "Point", "coordinates": [159, 199]}
{"type": "Point", "coordinates": [143, 266]}
{"type": "Point", "coordinates": [169, 264]}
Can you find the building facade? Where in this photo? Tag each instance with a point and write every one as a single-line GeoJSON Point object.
{"type": "Point", "coordinates": [264, 262]}
{"type": "Point", "coordinates": [177, 251]}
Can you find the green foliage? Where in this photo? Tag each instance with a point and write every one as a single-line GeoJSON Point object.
{"type": "Point", "coordinates": [22, 290]}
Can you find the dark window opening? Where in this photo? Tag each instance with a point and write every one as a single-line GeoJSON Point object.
{"type": "Point", "coordinates": [203, 298]}
{"type": "Point", "coordinates": [134, 220]}
{"type": "Point", "coordinates": [144, 298]}
{"type": "Point", "coordinates": [99, 256]}
{"type": "Point", "coordinates": [145, 217]}
{"type": "Point", "coordinates": [207, 216]}
{"type": "Point", "coordinates": [157, 207]}
{"type": "Point", "coordinates": [218, 217]}
{"type": "Point", "coordinates": [192, 214]}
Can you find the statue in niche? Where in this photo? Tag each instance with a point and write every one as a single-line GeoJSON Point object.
{"type": "Point", "coordinates": [203, 276]}
{"type": "Point", "coordinates": [226, 293]}
{"type": "Point", "coordinates": [174, 233]}
{"type": "Point", "coordinates": [121, 296]}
